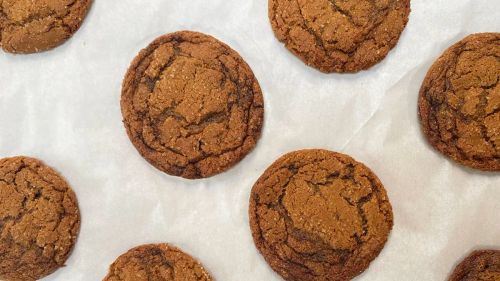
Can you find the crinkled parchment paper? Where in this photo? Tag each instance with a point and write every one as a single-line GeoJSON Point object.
{"type": "Point", "coordinates": [62, 106]}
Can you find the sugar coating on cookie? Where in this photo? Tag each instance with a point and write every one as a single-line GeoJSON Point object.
{"type": "Point", "coordinates": [319, 215]}
{"type": "Point", "coordinates": [339, 35]}
{"type": "Point", "coordinates": [30, 26]}
{"type": "Point", "coordinates": [191, 105]}
{"type": "Point", "coordinates": [459, 102]}
{"type": "Point", "coordinates": [39, 219]}
{"type": "Point", "coordinates": [482, 265]}
{"type": "Point", "coordinates": [156, 262]}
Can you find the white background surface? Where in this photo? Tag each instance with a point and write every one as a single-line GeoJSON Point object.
{"type": "Point", "coordinates": [62, 106]}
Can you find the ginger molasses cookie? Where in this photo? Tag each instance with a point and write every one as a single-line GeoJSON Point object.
{"type": "Point", "coordinates": [39, 219]}
{"type": "Point", "coordinates": [459, 102]}
{"type": "Point", "coordinates": [319, 215]}
{"type": "Point", "coordinates": [156, 262]}
{"type": "Point", "coordinates": [339, 35]}
{"type": "Point", "coordinates": [191, 105]}
{"type": "Point", "coordinates": [28, 26]}
{"type": "Point", "coordinates": [483, 265]}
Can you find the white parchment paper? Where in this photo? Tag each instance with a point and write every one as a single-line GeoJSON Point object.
{"type": "Point", "coordinates": [62, 106]}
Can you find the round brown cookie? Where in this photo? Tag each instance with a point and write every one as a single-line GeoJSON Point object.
{"type": "Point", "coordinates": [459, 102]}
{"type": "Point", "coordinates": [191, 105]}
{"type": "Point", "coordinates": [39, 219]}
{"type": "Point", "coordinates": [339, 35]}
{"type": "Point", "coordinates": [481, 265]}
{"type": "Point", "coordinates": [156, 262]}
{"type": "Point", "coordinates": [319, 215]}
{"type": "Point", "coordinates": [30, 26]}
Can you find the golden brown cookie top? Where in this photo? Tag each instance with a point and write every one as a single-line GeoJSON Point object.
{"type": "Point", "coordinates": [339, 35]}
{"type": "Point", "coordinates": [39, 219]}
{"type": "Point", "coordinates": [156, 262]}
{"type": "Point", "coordinates": [459, 104]}
{"type": "Point", "coordinates": [191, 105]}
{"type": "Point", "coordinates": [319, 215]}
{"type": "Point", "coordinates": [483, 265]}
{"type": "Point", "coordinates": [29, 26]}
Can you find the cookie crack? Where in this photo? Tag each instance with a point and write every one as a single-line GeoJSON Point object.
{"type": "Point", "coordinates": [478, 118]}
{"type": "Point", "coordinates": [320, 42]}
{"type": "Point", "coordinates": [37, 16]}
{"type": "Point", "coordinates": [344, 13]}
{"type": "Point", "coordinates": [279, 207]}
{"type": "Point", "coordinates": [220, 117]}
{"type": "Point", "coordinates": [35, 183]}
{"type": "Point", "coordinates": [58, 21]}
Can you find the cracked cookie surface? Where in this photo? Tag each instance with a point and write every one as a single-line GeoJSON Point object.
{"type": "Point", "coordinates": [39, 219]}
{"type": "Point", "coordinates": [191, 105]}
{"type": "Point", "coordinates": [30, 26]}
{"type": "Point", "coordinates": [459, 102]}
{"type": "Point", "coordinates": [319, 215]}
{"type": "Point", "coordinates": [339, 35]}
{"type": "Point", "coordinates": [159, 262]}
{"type": "Point", "coordinates": [482, 265]}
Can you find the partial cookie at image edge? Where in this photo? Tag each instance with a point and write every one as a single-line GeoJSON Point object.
{"type": "Point", "coordinates": [341, 37]}
{"type": "Point", "coordinates": [459, 102]}
{"type": "Point", "coordinates": [479, 265]}
{"type": "Point", "coordinates": [39, 219]}
{"type": "Point", "coordinates": [157, 261]}
{"type": "Point", "coordinates": [38, 27]}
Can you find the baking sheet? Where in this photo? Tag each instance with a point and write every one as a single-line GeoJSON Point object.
{"type": "Point", "coordinates": [62, 106]}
